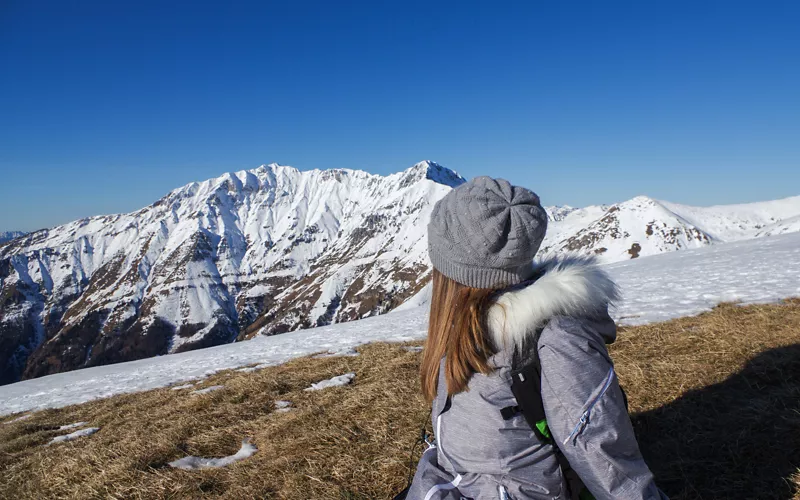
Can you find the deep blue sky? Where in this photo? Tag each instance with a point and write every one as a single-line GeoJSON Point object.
{"type": "Point", "coordinates": [105, 106]}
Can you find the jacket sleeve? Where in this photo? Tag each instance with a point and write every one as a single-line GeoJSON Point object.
{"type": "Point", "coordinates": [586, 412]}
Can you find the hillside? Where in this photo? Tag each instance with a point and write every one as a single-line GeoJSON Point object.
{"type": "Point", "coordinates": [714, 400]}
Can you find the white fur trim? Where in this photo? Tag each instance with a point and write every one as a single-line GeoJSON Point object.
{"type": "Point", "coordinates": [570, 286]}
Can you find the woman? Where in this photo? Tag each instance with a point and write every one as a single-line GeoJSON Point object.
{"type": "Point", "coordinates": [491, 308]}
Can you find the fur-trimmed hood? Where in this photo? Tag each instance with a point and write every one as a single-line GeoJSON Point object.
{"type": "Point", "coordinates": [564, 286]}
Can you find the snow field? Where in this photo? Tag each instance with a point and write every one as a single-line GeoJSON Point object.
{"type": "Point", "coordinates": [692, 281]}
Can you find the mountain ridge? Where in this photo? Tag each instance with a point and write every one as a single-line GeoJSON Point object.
{"type": "Point", "coordinates": [274, 249]}
{"type": "Point", "coordinates": [257, 251]}
{"type": "Point", "coordinates": [645, 226]}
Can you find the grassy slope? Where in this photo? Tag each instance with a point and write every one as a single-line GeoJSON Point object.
{"type": "Point", "coordinates": [715, 402]}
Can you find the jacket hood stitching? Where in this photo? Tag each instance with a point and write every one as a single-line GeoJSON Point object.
{"type": "Point", "coordinates": [566, 286]}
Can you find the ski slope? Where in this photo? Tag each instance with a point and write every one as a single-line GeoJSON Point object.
{"type": "Point", "coordinates": [655, 288]}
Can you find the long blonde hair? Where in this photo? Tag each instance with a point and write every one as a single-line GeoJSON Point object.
{"type": "Point", "coordinates": [456, 332]}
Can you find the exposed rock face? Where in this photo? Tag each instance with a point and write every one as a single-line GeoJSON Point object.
{"type": "Point", "coordinates": [263, 251]}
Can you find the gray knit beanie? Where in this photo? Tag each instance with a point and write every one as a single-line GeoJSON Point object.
{"type": "Point", "coordinates": [485, 232]}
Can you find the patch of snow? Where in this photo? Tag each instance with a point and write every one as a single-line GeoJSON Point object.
{"type": "Point", "coordinates": [413, 348]}
{"type": "Point", "coordinates": [20, 419]}
{"type": "Point", "coordinates": [349, 351]}
{"type": "Point", "coordinates": [283, 406]}
{"type": "Point", "coordinates": [75, 435]}
{"type": "Point", "coordinates": [420, 299]}
{"type": "Point", "coordinates": [72, 426]}
{"type": "Point", "coordinates": [193, 463]}
{"type": "Point", "coordinates": [337, 381]}
{"type": "Point", "coordinates": [248, 369]}
{"type": "Point", "coordinates": [258, 291]}
{"type": "Point", "coordinates": [179, 387]}
{"type": "Point", "coordinates": [208, 389]}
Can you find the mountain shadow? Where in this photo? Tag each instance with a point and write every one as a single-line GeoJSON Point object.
{"type": "Point", "coordinates": [737, 439]}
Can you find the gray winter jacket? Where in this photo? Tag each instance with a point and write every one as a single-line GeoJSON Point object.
{"type": "Point", "coordinates": [479, 455]}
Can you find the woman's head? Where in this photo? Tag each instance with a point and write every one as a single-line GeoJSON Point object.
{"type": "Point", "coordinates": [482, 237]}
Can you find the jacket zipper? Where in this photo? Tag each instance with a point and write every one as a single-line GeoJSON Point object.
{"type": "Point", "coordinates": [439, 432]}
{"type": "Point", "coordinates": [584, 420]}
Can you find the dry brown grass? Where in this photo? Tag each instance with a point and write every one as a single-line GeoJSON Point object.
{"type": "Point", "coordinates": [716, 402]}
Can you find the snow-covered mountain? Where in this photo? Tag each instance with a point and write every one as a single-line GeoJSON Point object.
{"type": "Point", "coordinates": [262, 251]}
{"type": "Point", "coordinates": [266, 251]}
{"type": "Point", "coordinates": [644, 226]}
{"type": "Point", "coordinates": [10, 235]}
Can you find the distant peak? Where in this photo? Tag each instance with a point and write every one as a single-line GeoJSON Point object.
{"type": "Point", "coordinates": [427, 164]}
{"type": "Point", "coordinates": [559, 212]}
{"type": "Point", "coordinates": [638, 201]}
{"type": "Point", "coordinates": [432, 171]}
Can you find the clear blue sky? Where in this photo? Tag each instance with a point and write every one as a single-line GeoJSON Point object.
{"type": "Point", "coordinates": [107, 105]}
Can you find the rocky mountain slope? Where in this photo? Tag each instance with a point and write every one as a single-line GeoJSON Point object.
{"type": "Point", "coordinates": [254, 252]}
{"type": "Point", "coordinates": [269, 250]}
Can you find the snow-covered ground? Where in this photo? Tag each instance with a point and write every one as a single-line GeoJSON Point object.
{"type": "Point", "coordinates": [208, 389]}
{"type": "Point", "coordinates": [180, 387]}
{"type": "Point", "coordinates": [338, 381]}
{"type": "Point", "coordinates": [72, 426]}
{"type": "Point", "coordinates": [74, 435]}
{"type": "Point", "coordinates": [655, 289]}
{"type": "Point", "coordinates": [283, 406]}
{"type": "Point", "coordinates": [192, 462]}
